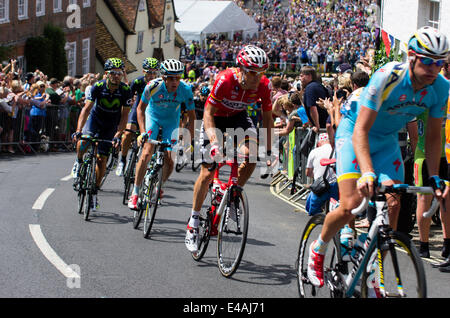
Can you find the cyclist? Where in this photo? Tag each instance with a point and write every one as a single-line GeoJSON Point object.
{"type": "Point", "coordinates": [367, 137]}
{"type": "Point", "coordinates": [150, 66]}
{"type": "Point", "coordinates": [105, 115]}
{"type": "Point", "coordinates": [164, 97]}
{"type": "Point", "coordinates": [226, 107]}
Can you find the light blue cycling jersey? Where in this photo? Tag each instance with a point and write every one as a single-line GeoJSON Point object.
{"type": "Point", "coordinates": [164, 106]}
{"type": "Point", "coordinates": [390, 93]}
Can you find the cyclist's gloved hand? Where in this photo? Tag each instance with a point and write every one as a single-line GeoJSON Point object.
{"type": "Point", "coordinates": [366, 184]}
{"type": "Point", "coordinates": [438, 184]}
{"type": "Point", "coordinates": [116, 141]}
{"type": "Point", "coordinates": [76, 136]}
{"type": "Point", "coordinates": [215, 152]}
{"type": "Point", "coordinates": [142, 138]}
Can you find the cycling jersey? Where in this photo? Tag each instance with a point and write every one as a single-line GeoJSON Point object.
{"type": "Point", "coordinates": [391, 95]}
{"type": "Point", "coordinates": [106, 113]}
{"type": "Point", "coordinates": [164, 108]}
{"type": "Point", "coordinates": [230, 98]}
{"type": "Point", "coordinates": [108, 105]}
{"type": "Point", "coordinates": [447, 134]}
{"type": "Point", "coordinates": [137, 88]}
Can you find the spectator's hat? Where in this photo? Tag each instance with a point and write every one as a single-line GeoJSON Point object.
{"type": "Point", "coordinates": [40, 83]}
{"type": "Point", "coordinates": [344, 67]}
{"type": "Point", "coordinates": [323, 137]}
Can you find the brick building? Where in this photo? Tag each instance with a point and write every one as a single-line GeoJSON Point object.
{"type": "Point", "coordinates": [21, 19]}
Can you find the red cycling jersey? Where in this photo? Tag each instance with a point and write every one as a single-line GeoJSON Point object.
{"type": "Point", "coordinates": [230, 98]}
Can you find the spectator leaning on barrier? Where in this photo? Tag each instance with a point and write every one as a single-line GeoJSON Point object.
{"type": "Point", "coordinates": [315, 170]}
{"type": "Point", "coordinates": [313, 91]}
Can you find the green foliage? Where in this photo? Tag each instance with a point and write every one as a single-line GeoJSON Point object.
{"type": "Point", "coordinates": [381, 58]}
{"type": "Point", "coordinates": [47, 53]}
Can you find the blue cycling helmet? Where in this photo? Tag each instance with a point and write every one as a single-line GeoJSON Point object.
{"type": "Point", "coordinates": [150, 63]}
{"type": "Point", "coordinates": [112, 63]}
{"type": "Point", "coordinates": [429, 41]}
{"type": "Point", "coordinates": [204, 91]}
{"type": "Point", "coordinates": [171, 67]}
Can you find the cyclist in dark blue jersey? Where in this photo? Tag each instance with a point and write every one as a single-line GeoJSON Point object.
{"type": "Point", "coordinates": [105, 116]}
{"type": "Point", "coordinates": [150, 66]}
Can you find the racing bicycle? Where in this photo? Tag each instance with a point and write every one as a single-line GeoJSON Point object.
{"type": "Point", "coordinates": [129, 175]}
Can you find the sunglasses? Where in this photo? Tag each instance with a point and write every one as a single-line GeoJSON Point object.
{"type": "Point", "coordinates": [116, 73]}
{"type": "Point", "coordinates": [430, 61]}
{"type": "Point", "coordinates": [253, 72]}
{"type": "Point", "coordinates": [151, 71]}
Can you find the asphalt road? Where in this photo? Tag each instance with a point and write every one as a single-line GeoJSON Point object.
{"type": "Point", "coordinates": [41, 238]}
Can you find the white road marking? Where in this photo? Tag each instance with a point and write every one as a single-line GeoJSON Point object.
{"type": "Point", "coordinates": [49, 253]}
{"type": "Point", "coordinates": [67, 178]}
{"type": "Point", "coordinates": [39, 203]}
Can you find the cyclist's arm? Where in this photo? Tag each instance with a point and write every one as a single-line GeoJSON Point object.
{"type": "Point", "coordinates": [85, 111]}
{"type": "Point", "coordinates": [433, 145]}
{"type": "Point", "coordinates": [191, 117]}
{"type": "Point", "coordinates": [141, 115]}
{"type": "Point", "coordinates": [268, 125]}
{"type": "Point", "coordinates": [208, 121]}
{"type": "Point", "coordinates": [360, 138]}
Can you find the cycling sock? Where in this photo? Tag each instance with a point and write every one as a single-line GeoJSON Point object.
{"type": "Point", "coordinates": [320, 246]}
{"type": "Point", "coordinates": [194, 221]}
{"type": "Point", "coordinates": [135, 190]}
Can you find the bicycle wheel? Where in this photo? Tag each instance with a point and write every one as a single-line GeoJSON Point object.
{"type": "Point", "coordinates": [204, 229]}
{"type": "Point", "coordinates": [334, 280]}
{"type": "Point", "coordinates": [180, 161]}
{"type": "Point", "coordinates": [232, 235]}
{"type": "Point", "coordinates": [142, 203]}
{"type": "Point", "coordinates": [154, 191]}
{"type": "Point", "coordinates": [81, 188]}
{"type": "Point", "coordinates": [129, 177]}
{"type": "Point", "coordinates": [395, 270]}
{"type": "Point", "coordinates": [90, 185]}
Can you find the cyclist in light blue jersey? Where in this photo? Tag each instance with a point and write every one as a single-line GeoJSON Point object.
{"type": "Point", "coordinates": [163, 96]}
{"type": "Point", "coordinates": [367, 141]}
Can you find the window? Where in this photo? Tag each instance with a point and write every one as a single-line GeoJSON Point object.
{"type": "Point", "coordinates": [142, 5]}
{"type": "Point", "coordinates": [4, 11]}
{"type": "Point", "coordinates": [86, 3]}
{"type": "Point", "coordinates": [40, 8]}
{"type": "Point", "coordinates": [72, 58]}
{"type": "Point", "coordinates": [21, 64]}
{"type": "Point", "coordinates": [86, 49]}
{"type": "Point", "coordinates": [168, 32]}
{"type": "Point", "coordinates": [57, 6]}
{"type": "Point", "coordinates": [22, 9]}
{"type": "Point", "coordinates": [433, 20]}
{"type": "Point", "coordinates": [72, 2]}
{"type": "Point", "coordinates": [140, 41]}
{"type": "Point", "coordinates": [153, 36]}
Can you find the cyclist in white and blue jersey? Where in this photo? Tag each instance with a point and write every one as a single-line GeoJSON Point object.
{"type": "Point", "coordinates": [163, 96]}
{"type": "Point", "coordinates": [367, 137]}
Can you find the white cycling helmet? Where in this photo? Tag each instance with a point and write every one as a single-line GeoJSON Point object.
{"type": "Point", "coordinates": [251, 56]}
{"type": "Point", "coordinates": [171, 67]}
{"type": "Point", "coordinates": [429, 41]}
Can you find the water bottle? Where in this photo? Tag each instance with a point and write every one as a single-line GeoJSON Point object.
{"type": "Point", "coordinates": [358, 247]}
{"type": "Point", "coordinates": [346, 242]}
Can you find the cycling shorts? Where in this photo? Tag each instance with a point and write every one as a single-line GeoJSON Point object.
{"type": "Point", "coordinates": [385, 154]}
{"type": "Point", "coordinates": [132, 115]}
{"type": "Point", "coordinates": [240, 125]}
{"type": "Point", "coordinates": [169, 130]}
{"type": "Point", "coordinates": [93, 128]}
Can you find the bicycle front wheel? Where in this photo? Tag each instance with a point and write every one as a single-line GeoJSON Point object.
{"type": "Point", "coordinates": [90, 183]}
{"type": "Point", "coordinates": [395, 270]}
{"type": "Point", "coordinates": [154, 192]}
{"type": "Point", "coordinates": [232, 235]}
{"type": "Point", "coordinates": [129, 177]}
{"type": "Point", "coordinates": [204, 229]}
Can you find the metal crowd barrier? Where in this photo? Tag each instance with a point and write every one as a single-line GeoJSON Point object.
{"type": "Point", "coordinates": [291, 181]}
{"type": "Point", "coordinates": [33, 134]}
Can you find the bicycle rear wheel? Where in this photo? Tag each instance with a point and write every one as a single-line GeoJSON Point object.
{"type": "Point", "coordinates": [81, 188]}
{"type": "Point", "coordinates": [334, 283]}
{"type": "Point", "coordinates": [154, 192]}
{"type": "Point", "coordinates": [129, 177]}
{"type": "Point", "coordinates": [90, 184]}
{"type": "Point", "coordinates": [396, 270]}
{"type": "Point", "coordinates": [232, 235]}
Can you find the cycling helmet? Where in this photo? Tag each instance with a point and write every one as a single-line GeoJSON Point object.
{"type": "Point", "coordinates": [251, 56]}
{"type": "Point", "coordinates": [150, 63]}
{"type": "Point", "coordinates": [429, 41]}
{"type": "Point", "coordinates": [171, 67]}
{"type": "Point", "coordinates": [114, 62]}
{"type": "Point", "coordinates": [204, 91]}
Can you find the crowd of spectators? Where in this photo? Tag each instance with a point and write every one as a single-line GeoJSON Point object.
{"type": "Point", "coordinates": [35, 109]}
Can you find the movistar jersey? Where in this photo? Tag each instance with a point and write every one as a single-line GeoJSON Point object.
{"type": "Point", "coordinates": [164, 106]}
{"type": "Point", "coordinates": [108, 105]}
{"type": "Point", "coordinates": [391, 95]}
{"type": "Point", "coordinates": [137, 88]}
